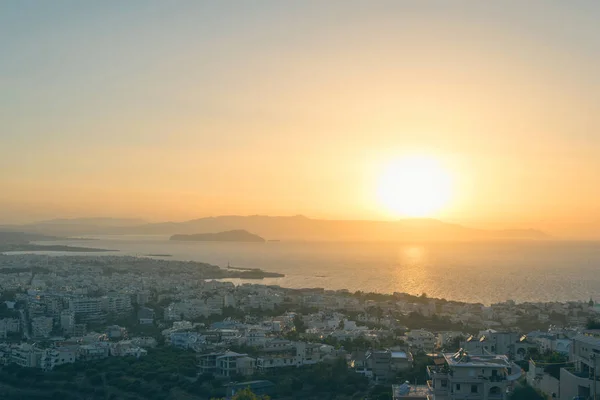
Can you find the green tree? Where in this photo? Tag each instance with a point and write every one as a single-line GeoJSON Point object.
{"type": "Point", "coordinates": [526, 392]}
{"type": "Point", "coordinates": [299, 324]}
{"type": "Point", "coordinates": [246, 394]}
{"type": "Point", "coordinates": [593, 324]}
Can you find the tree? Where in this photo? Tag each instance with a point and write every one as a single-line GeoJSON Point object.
{"type": "Point", "coordinates": [299, 324]}
{"type": "Point", "coordinates": [592, 324]}
{"type": "Point", "coordinates": [246, 394]}
{"type": "Point", "coordinates": [526, 392]}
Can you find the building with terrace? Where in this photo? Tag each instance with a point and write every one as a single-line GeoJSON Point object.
{"type": "Point", "coordinates": [461, 376]}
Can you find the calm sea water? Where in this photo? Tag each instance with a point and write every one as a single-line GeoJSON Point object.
{"type": "Point", "coordinates": [474, 272]}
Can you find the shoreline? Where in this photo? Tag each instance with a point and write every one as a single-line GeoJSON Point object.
{"type": "Point", "coordinates": [52, 248]}
{"type": "Point", "coordinates": [305, 283]}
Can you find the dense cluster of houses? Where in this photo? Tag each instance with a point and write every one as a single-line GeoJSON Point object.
{"type": "Point", "coordinates": [45, 323]}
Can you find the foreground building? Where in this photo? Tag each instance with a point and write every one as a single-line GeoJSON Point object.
{"type": "Point", "coordinates": [581, 381]}
{"type": "Point", "coordinates": [226, 364]}
{"type": "Point", "coordinates": [474, 377]}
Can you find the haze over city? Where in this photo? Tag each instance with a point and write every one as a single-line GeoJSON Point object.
{"type": "Point", "coordinates": [299, 200]}
{"type": "Point", "coordinates": [475, 113]}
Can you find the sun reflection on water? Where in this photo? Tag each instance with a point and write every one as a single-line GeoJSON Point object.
{"type": "Point", "coordinates": [411, 272]}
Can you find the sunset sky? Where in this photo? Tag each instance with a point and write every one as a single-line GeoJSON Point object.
{"type": "Point", "coordinates": [172, 110]}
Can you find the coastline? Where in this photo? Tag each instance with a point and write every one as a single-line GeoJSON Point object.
{"type": "Point", "coordinates": [52, 247]}
{"type": "Point", "coordinates": [496, 272]}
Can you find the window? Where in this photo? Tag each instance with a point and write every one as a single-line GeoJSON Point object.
{"type": "Point", "coordinates": [444, 383]}
{"type": "Point", "coordinates": [458, 386]}
{"type": "Point", "coordinates": [473, 388]}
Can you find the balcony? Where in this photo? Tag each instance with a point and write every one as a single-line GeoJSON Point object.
{"type": "Point", "coordinates": [440, 372]}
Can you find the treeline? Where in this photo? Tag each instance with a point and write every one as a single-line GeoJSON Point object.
{"type": "Point", "coordinates": [170, 373]}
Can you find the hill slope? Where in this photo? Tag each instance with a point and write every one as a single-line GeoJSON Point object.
{"type": "Point", "coordinates": [300, 228]}
{"type": "Point", "coordinates": [238, 235]}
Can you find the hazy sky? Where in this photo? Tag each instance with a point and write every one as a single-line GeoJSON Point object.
{"type": "Point", "coordinates": [182, 109]}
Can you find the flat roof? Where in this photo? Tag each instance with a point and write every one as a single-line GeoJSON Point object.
{"type": "Point", "coordinates": [464, 359]}
{"type": "Point", "coordinates": [415, 391]}
{"type": "Point", "coordinates": [591, 340]}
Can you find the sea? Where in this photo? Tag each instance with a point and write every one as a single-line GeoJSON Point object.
{"type": "Point", "coordinates": [484, 272]}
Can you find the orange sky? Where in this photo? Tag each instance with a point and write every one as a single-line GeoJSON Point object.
{"type": "Point", "coordinates": [177, 111]}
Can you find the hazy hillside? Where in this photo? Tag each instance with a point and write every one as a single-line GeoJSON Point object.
{"type": "Point", "coordinates": [77, 226]}
{"type": "Point", "coordinates": [21, 237]}
{"type": "Point", "coordinates": [296, 228]}
{"type": "Point", "coordinates": [94, 221]}
{"type": "Point", "coordinates": [238, 235]}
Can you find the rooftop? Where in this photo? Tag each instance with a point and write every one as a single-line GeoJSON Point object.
{"type": "Point", "coordinates": [406, 391]}
{"type": "Point", "coordinates": [399, 354]}
{"type": "Point", "coordinates": [591, 340]}
{"type": "Point", "coordinates": [464, 359]}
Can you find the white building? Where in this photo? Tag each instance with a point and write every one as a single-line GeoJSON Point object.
{"type": "Point", "coordinates": [585, 358]}
{"type": "Point", "coordinates": [117, 303]}
{"type": "Point", "coordinates": [230, 363]}
{"type": "Point", "coordinates": [255, 338]}
{"type": "Point", "coordinates": [86, 305]}
{"type": "Point", "coordinates": [26, 355]}
{"type": "Point", "coordinates": [421, 340]}
{"type": "Point", "coordinates": [473, 377]}
{"type": "Point", "coordinates": [52, 358]}
{"type": "Point", "coordinates": [95, 351]}
{"type": "Point", "coordinates": [491, 342]}
{"type": "Point", "coordinates": [67, 321]}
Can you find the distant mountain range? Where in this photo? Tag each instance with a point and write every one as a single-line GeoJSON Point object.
{"type": "Point", "coordinates": [21, 241]}
{"type": "Point", "coordinates": [284, 228]}
{"type": "Point", "coordinates": [238, 235]}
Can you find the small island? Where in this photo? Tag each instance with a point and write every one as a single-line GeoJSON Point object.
{"type": "Point", "coordinates": [239, 235]}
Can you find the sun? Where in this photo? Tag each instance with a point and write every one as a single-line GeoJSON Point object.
{"type": "Point", "coordinates": [415, 186]}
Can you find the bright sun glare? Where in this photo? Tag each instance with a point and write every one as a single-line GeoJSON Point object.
{"type": "Point", "coordinates": [414, 186]}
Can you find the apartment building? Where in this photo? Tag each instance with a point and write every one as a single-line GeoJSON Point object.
{"type": "Point", "coordinates": [255, 337]}
{"type": "Point", "coordinates": [95, 351]}
{"type": "Point", "coordinates": [117, 303]}
{"type": "Point", "coordinates": [226, 364]}
{"type": "Point", "coordinates": [474, 377]}
{"type": "Point", "coordinates": [492, 342]}
{"type": "Point", "coordinates": [26, 355]}
{"type": "Point", "coordinates": [52, 358]}
{"type": "Point", "coordinates": [67, 321]}
{"type": "Point", "coordinates": [231, 363]}
{"type": "Point", "coordinates": [86, 305]}
{"type": "Point", "coordinates": [581, 381]}
{"type": "Point", "coordinates": [421, 340]}
{"type": "Point", "coordinates": [379, 362]}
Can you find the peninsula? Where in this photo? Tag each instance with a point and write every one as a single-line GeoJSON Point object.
{"type": "Point", "coordinates": [239, 235]}
{"type": "Point", "coordinates": [21, 241]}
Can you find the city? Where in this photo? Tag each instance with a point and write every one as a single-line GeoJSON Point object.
{"type": "Point", "coordinates": [80, 310]}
